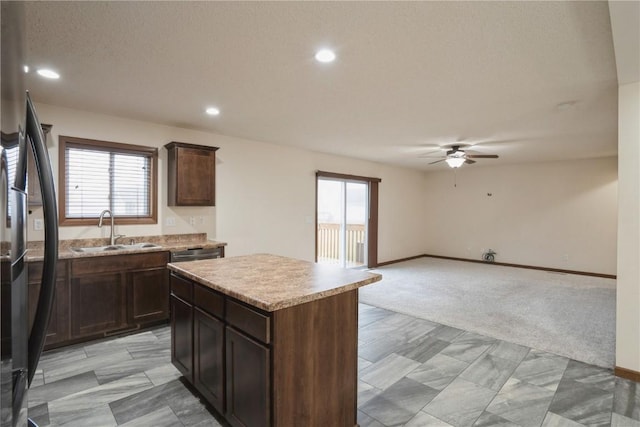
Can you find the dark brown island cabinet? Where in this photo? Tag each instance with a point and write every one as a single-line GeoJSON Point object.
{"type": "Point", "coordinates": [191, 175]}
{"type": "Point", "coordinates": [268, 358]}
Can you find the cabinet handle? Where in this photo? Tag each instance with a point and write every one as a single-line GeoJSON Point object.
{"type": "Point", "coordinates": [38, 335]}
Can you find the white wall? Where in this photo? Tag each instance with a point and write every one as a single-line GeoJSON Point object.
{"type": "Point", "coordinates": [94, 126]}
{"type": "Point", "coordinates": [556, 214]}
{"type": "Point", "coordinates": [537, 213]}
{"type": "Point", "coordinates": [265, 193]}
{"type": "Point", "coordinates": [628, 284]}
{"type": "Point", "coordinates": [266, 197]}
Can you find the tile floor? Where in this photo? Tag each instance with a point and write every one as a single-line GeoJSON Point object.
{"type": "Point", "coordinates": [412, 372]}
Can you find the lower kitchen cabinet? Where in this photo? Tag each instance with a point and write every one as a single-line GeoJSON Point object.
{"type": "Point", "coordinates": [58, 330]}
{"type": "Point", "coordinates": [248, 385]}
{"type": "Point", "coordinates": [208, 358]}
{"type": "Point", "coordinates": [182, 336]}
{"type": "Point", "coordinates": [296, 366]}
{"type": "Point", "coordinates": [97, 304]}
{"type": "Point", "coordinates": [230, 352]}
{"type": "Point", "coordinates": [104, 295]}
{"type": "Point", "coordinates": [118, 293]}
{"type": "Point", "coordinates": [148, 295]}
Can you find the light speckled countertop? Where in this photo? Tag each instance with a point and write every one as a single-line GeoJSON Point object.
{"type": "Point", "coordinates": [272, 282]}
{"type": "Point", "coordinates": [172, 242]}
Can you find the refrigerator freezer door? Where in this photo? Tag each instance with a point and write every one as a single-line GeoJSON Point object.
{"type": "Point", "coordinates": [13, 311]}
{"type": "Point", "coordinates": [19, 313]}
{"type": "Point", "coordinates": [50, 212]}
{"type": "Point", "coordinates": [6, 362]}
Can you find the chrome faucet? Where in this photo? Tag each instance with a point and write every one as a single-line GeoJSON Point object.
{"type": "Point", "coordinates": [112, 240]}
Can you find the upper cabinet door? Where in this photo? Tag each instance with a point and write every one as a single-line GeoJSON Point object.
{"type": "Point", "coordinates": [191, 175]}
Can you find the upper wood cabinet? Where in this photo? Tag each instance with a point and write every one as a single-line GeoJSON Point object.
{"type": "Point", "coordinates": [191, 175]}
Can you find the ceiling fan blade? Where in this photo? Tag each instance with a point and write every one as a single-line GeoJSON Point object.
{"type": "Point", "coordinates": [482, 156]}
{"type": "Point", "coordinates": [469, 161]}
{"type": "Point", "coordinates": [437, 161]}
{"type": "Point", "coordinates": [429, 154]}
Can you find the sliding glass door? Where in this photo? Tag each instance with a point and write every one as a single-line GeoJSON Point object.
{"type": "Point", "coordinates": [342, 212]}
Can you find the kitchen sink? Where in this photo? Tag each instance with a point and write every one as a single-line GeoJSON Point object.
{"type": "Point", "coordinates": [141, 246]}
{"type": "Point", "coordinates": [134, 246]}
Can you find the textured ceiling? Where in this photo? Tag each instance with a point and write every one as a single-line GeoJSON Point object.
{"type": "Point", "coordinates": [409, 75]}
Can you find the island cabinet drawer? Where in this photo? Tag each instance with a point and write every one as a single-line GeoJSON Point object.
{"type": "Point", "coordinates": [249, 321]}
{"type": "Point", "coordinates": [182, 288]}
{"type": "Point", "coordinates": [208, 300]}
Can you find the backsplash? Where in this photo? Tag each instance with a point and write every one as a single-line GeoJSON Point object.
{"type": "Point", "coordinates": [103, 241]}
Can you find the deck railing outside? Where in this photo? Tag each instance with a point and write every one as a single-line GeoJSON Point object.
{"type": "Point", "coordinates": [329, 244]}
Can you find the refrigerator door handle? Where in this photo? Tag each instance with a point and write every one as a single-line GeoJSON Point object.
{"type": "Point", "coordinates": [35, 136]}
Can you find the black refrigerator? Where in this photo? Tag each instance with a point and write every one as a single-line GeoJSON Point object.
{"type": "Point", "coordinates": [20, 345]}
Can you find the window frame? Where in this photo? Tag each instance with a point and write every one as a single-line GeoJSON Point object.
{"type": "Point", "coordinates": [372, 223]}
{"type": "Point", "coordinates": [10, 142]}
{"type": "Point", "coordinates": [65, 142]}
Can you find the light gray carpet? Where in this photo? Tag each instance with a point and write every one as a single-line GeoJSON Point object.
{"type": "Point", "coordinates": [565, 314]}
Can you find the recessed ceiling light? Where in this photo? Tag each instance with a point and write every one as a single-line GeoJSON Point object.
{"type": "Point", "coordinates": [49, 74]}
{"type": "Point", "coordinates": [26, 68]}
{"type": "Point", "coordinates": [212, 111]}
{"type": "Point", "coordinates": [325, 55]}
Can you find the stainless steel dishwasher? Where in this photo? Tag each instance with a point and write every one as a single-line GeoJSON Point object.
{"type": "Point", "coordinates": [194, 254]}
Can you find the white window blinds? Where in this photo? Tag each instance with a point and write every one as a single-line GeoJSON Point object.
{"type": "Point", "coordinates": [100, 178]}
{"type": "Point", "coordinates": [12, 162]}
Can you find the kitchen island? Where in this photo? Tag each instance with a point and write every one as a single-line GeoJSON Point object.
{"type": "Point", "coordinates": [269, 340]}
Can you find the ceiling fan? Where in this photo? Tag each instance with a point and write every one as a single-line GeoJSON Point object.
{"type": "Point", "coordinates": [455, 156]}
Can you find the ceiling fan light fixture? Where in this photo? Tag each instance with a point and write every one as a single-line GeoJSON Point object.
{"type": "Point", "coordinates": [212, 111]}
{"type": "Point", "coordinates": [455, 162]}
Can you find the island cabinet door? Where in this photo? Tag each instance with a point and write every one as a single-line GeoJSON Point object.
{"type": "Point", "coordinates": [208, 358]}
{"type": "Point", "coordinates": [248, 383]}
{"type": "Point", "coordinates": [182, 337]}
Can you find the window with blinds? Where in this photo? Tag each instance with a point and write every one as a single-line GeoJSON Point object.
{"type": "Point", "coordinates": [12, 162]}
{"type": "Point", "coordinates": [12, 152]}
{"type": "Point", "coordinates": [99, 175]}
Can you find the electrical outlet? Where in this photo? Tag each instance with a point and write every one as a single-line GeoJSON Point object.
{"type": "Point", "coordinates": [170, 221]}
{"type": "Point", "coordinates": [38, 224]}
{"type": "Point", "coordinates": [201, 220]}
{"type": "Point", "coordinates": [192, 220]}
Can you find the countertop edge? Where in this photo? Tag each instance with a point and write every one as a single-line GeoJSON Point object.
{"type": "Point", "coordinates": [68, 254]}
{"type": "Point", "coordinates": [271, 307]}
